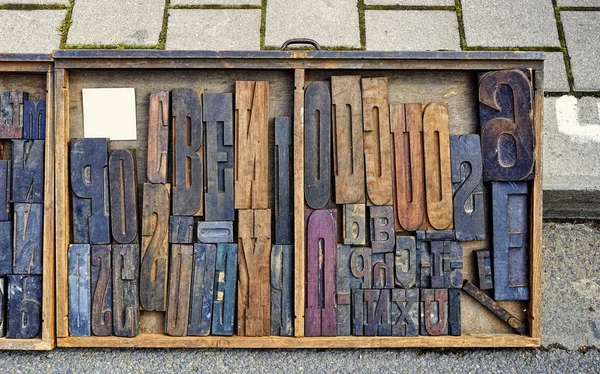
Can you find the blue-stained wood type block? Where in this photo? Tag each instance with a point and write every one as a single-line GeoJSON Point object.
{"type": "Point", "coordinates": [5, 190]}
{"type": "Point", "coordinates": [203, 283]}
{"type": "Point", "coordinates": [225, 289]}
{"type": "Point", "coordinates": [181, 230]}
{"type": "Point", "coordinates": [28, 238]}
{"type": "Point", "coordinates": [101, 266]}
{"type": "Point", "coordinates": [24, 302]}
{"type": "Point", "coordinates": [28, 171]}
{"type": "Point", "coordinates": [80, 297]}
{"type": "Point", "coordinates": [282, 290]}
{"type": "Point", "coordinates": [6, 247]}
{"type": "Point", "coordinates": [34, 120]}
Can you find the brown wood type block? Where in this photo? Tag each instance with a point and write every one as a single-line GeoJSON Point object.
{"type": "Point", "coordinates": [101, 290]}
{"type": "Point", "coordinates": [343, 290]}
{"type": "Point", "coordinates": [405, 312]}
{"type": "Point", "coordinates": [434, 311]}
{"type": "Point", "coordinates": [355, 228]}
{"type": "Point", "coordinates": [254, 256]}
{"type": "Point", "coordinates": [484, 269]}
{"type": "Point", "coordinates": [251, 145]}
{"type": "Point", "coordinates": [371, 312]}
{"type": "Point", "coordinates": [282, 290]}
{"type": "Point", "coordinates": [126, 301]}
{"type": "Point", "coordinates": [158, 137]}
{"type": "Point", "coordinates": [180, 283]}
{"type": "Point", "coordinates": [382, 228]}
{"type": "Point", "coordinates": [405, 261]}
{"type": "Point", "coordinates": [123, 197]}
{"type": "Point", "coordinates": [383, 270]}
{"type": "Point", "coordinates": [11, 107]}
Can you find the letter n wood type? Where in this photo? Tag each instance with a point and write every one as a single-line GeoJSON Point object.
{"type": "Point", "coordinates": [123, 197]}
{"type": "Point", "coordinates": [155, 247]}
{"type": "Point", "coordinates": [188, 178]}
{"type": "Point", "coordinates": [284, 180]}
{"type": "Point", "coordinates": [101, 290]}
{"type": "Point", "coordinates": [434, 312]}
{"type": "Point", "coordinates": [225, 289]}
{"type": "Point", "coordinates": [5, 190]}
{"type": "Point", "coordinates": [24, 306]}
{"type": "Point", "coordinates": [320, 313]}
{"type": "Point", "coordinates": [28, 171]}
{"type": "Point", "coordinates": [405, 261]}
{"type": "Point", "coordinates": [405, 312]}
{"type": "Point", "coordinates": [203, 283]}
{"type": "Point", "coordinates": [79, 290]}
{"type": "Point", "coordinates": [126, 305]}
{"type": "Point", "coordinates": [180, 278]}
{"type": "Point", "coordinates": [347, 125]}
{"type": "Point", "coordinates": [282, 290]}
{"type": "Point", "coordinates": [158, 137]}
{"type": "Point", "coordinates": [377, 312]}
{"type": "Point", "coordinates": [383, 270]}
{"type": "Point", "coordinates": [343, 291]}
{"type": "Point", "coordinates": [34, 120]}
{"type": "Point", "coordinates": [251, 146]}
{"type": "Point", "coordinates": [254, 243]}
{"type": "Point", "coordinates": [11, 126]}
{"type": "Point", "coordinates": [28, 238]}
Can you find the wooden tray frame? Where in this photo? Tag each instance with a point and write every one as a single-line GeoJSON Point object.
{"type": "Point", "coordinates": [40, 64]}
{"type": "Point", "coordinates": [298, 61]}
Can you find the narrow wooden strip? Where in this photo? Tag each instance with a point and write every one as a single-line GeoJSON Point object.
{"type": "Point", "coordinates": [299, 268]}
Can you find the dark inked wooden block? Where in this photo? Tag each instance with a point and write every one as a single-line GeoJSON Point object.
{"type": "Point", "coordinates": [28, 171]}
{"type": "Point", "coordinates": [218, 120]}
{"type": "Point", "coordinates": [435, 235]}
{"type": "Point", "coordinates": [405, 312]}
{"type": "Point", "coordinates": [34, 120]}
{"type": "Point", "coordinates": [348, 153]}
{"type": "Point", "coordinates": [4, 149]}
{"type": "Point", "coordinates": [361, 268]}
{"type": "Point", "coordinates": [203, 283]}
{"type": "Point", "coordinates": [5, 190]}
{"type": "Point", "coordinates": [123, 196]}
{"type": "Point", "coordinates": [343, 291]}
{"type": "Point", "coordinates": [382, 228]}
{"type": "Point", "coordinates": [11, 126]}
{"type": "Point", "coordinates": [158, 137]}
{"type": "Point", "coordinates": [320, 313]}
{"type": "Point", "coordinates": [453, 264]}
{"type": "Point", "coordinates": [467, 174]}
{"type": "Point", "coordinates": [126, 304]}
{"type": "Point", "coordinates": [383, 270]}
{"type": "Point", "coordinates": [155, 247]}
{"type": "Point", "coordinates": [188, 178]}
{"type": "Point", "coordinates": [358, 312]}
{"type": "Point", "coordinates": [215, 232]}
{"type": "Point", "coordinates": [225, 289]}
{"type": "Point", "coordinates": [441, 264]}
{"type": "Point", "coordinates": [28, 238]}
{"type": "Point", "coordinates": [424, 265]}
{"type": "Point", "coordinates": [510, 202]}
{"type": "Point", "coordinates": [3, 306]}
{"type": "Point", "coordinates": [355, 228]}
{"type": "Point", "coordinates": [282, 290]}
{"type": "Point", "coordinates": [505, 107]}
{"type": "Point", "coordinates": [484, 269]}
{"type": "Point", "coordinates": [89, 183]}
{"type": "Point", "coordinates": [284, 180]}
{"type": "Point", "coordinates": [180, 282]}
{"type": "Point", "coordinates": [24, 313]}
{"type": "Point", "coordinates": [405, 261]}
{"type": "Point", "coordinates": [181, 230]}
{"type": "Point", "coordinates": [317, 145]}
{"type": "Point", "coordinates": [454, 312]}
{"type": "Point", "coordinates": [6, 247]}
{"type": "Point", "coordinates": [80, 296]}
{"type": "Point", "coordinates": [434, 312]}
{"type": "Point", "coordinates": [101, 290]}
{"type": "Point", "coordinates": [437, 264]}
{"type": "Point", "coordinates": [377, 312]}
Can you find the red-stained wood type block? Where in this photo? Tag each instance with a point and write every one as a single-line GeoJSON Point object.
{"type": "Point", "coordinates": [434, 312]}
{"type": "Point", "coordinates": [158, 137]}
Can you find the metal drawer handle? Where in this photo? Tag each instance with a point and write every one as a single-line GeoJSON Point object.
{"type": "Point", "coordinates": [300, 41]}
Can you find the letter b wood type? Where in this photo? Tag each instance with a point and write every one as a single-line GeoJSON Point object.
{"type": "Point", "coordinates": [101, 290]}
{"type": "Point", "coordinates": [126, 305]}
{"type": "Point", "coordinates": [28, 171]}
{"type": "Point", "coordinates": [282, 290]}
{"type": "Point", "coordinates": [284, 180]}
{"type": "Point", "coordinates": [123, 196]}
{"type": "Point", "coordinates": [24, 306]}
{"type": "Point", "coordinates": [79, 290]}
{"type": "Point", "coordinates": [158, 136]}
{"type": "Point", "coordinates": [180, 278]}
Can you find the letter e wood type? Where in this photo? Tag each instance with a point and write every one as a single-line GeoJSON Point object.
{"type": "Point", "coordinates": [5, 190]}
{"type": "Point", "coordinates": [28, 171]}
{"type": "Point", "coordinates": [6, 247]}
{"type": "Point", "coordinates": [158, 137]}
{"type": "Point", "coordinates": [24, 306]}
{"type": "Point", "coordinates": [405, 312]}
{"type": "Point", "coordinates": [282, 290]}
{"type": "Point", "coordinates": [123, 197]}
{"type": "Point", "coordinates": [101, 290]}
{"type": "Point", "coordinates": [34, 120]}
{"type": "Point", "coordinates": [484, 269]}
{"type": "Point", "coordinates": [225, 289]}
{"type": "Point", "coordinates": [382, 228]}
{"type": "Point", "coordinates": [434, 312]}
{"type": "Point", "coordinates": [343, 291]}
{"type": "Point", "coordinates": [11, 126]}
{"type": "Point", "coordinates": [180, 278]}
{"type": "Point", "coordinates": [355, 229]}
{"type": "Point", "coordinates": [203, 283]}
{"type": "Point", "coordinates": [79, 290]}
{"type": "Point", "coordinates": [28, 238]}
{"type": "Point", "coordinates": [126, 305]}
{"type": "Point", "coordinates": [405, 261]}
{"type": "Point", "coordinates": [284, 180]}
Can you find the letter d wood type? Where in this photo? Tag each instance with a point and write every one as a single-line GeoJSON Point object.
{"type": "Point", "coordinates": [180, 277]}
{"type": "Point", "coordinates": [158, 137]}
{"type": "Point", "coordinates": [282, 290]}
{"type": "Point", "coordinates": [126, 304]}
{"type": "Point", "coordinates": [79, 290]}
{"type": "Point", "coordinates": [123, 196]}
{"type": "Point", "coordinates": [24, 306]}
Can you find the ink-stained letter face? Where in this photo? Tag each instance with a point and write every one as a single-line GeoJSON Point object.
{"type": "Point", "coordinates": [28, 171]}
{"type": "Point", "coordinates": [405, 261]}
{"type": "Point", "coordinates": [158, 137]}
{"type": "Point", "coordinates": [5, 190]}
{"type": "Point", "coordinates": [123, 196]}
{"type": "Point", "coordinates": [79, 290]}
{"type": "Point", "coordinates": [203, 283]}
{"type": "Point", "coordinates": [405, 312]}
{"type": "Point", "coordinates": [284, 180]}
{"type": "Point", "coordinates": [355, 229]}
{"type": "Point", "coordinates": [282, 290]}
{"type": "Point", "coordinates": [434, 312]}
{"type": "Point", "coordinates": [484, 269]}
{"type": "Point", "coordinates": [28, 238]}
{"type": "Point", "coordinates": [382, 228]}
{"type": "Point", "coordinates": [101, 290]}
{"type": "Point", "coordinates": [11, 104]}
{"type": "Point", "coordinates": [34, 120]}
{"type": "Point", "coordinates": [180, 278]}
{"type": "Point", "coordinates": [225, 289]}
{"type": "Point", "coordinates": [215, 232]}
{"type": "Point", "coordinates": [126, 305]}
{"type": "Point", "coordinates": [24, 306]}
{"type": "Point", "coordinates": [343, 291]}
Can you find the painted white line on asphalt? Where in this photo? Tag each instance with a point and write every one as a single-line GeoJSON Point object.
{"type": "Point", "coordinates": [567, 119]}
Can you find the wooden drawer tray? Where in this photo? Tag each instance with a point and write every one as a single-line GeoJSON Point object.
{"type": "Point", "coordinates": [413, 77]}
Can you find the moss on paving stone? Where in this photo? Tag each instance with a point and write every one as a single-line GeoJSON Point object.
{"type": "Point", "coordinates": [32, 7]}
{"type": "Point", "coordinates": [563, 44]}
{"type": "Point", "coordinates": [408, 7]}
{"type": "Point", "coordinates": [215, 6]}
{"type": "Point", "coordinates": [162, 37]}
{"type": "Point", "coordinates": [66, 24]}
{"type": "Point", "coordinates": [263, 23]}
{"type": "Point", "coordinates": [461, 24]}
{"type": "Point", "coordinates": [361, 24]}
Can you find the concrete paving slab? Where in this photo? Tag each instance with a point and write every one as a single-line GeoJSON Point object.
{"type": "Point", "coordinates": [390, 30]}
{"type": "Point", "coordinates": [579, 3]}
{"type": "Point", "coordinates": [330, 23]}
{"type": "Point", "coordinates": [214, 29]}
{"type": "Point", "coordinates": [411, 2]}
{"type": "Point", "coordinates": [582, 34]}
{"type": "Point", "coordinates": [215, 2]}
{"type": "Point", "coordinates": [555, 77]}
{"type": "Point", "coordinates": [510, 23]}
{"type": "Point", "coordinates": [30, 31]}
{"type": "Point", "coordinates": [105, 22]}
{"type": "Point", "coordinates": [34, 2]}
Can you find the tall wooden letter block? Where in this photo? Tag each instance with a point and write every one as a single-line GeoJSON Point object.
{"type": "Point", "coordinates": [180, 278]}
{"type": "Point", "coordinates": [343, 291]}
{"type": "Point", "coordinates": [361, 267]}
{"type": "Point", "coordinates": [405, 261]}
{"type": "Point", "coordinates": [79, 290]}
{"type": "Point", "coordinates": [24, 306]}
{"type": "Point", "coordinates": [181, 230]}
{"type": "Point", "coordinates": [155, 247]}
{"type": "Point", "coordinates": [348, 153]}
{"type": "Point", "coordinates": [371, 312]}
{"type": "Point", "coordinates": [101, 290]}
{"type": "Point", "coordinates": [3, 306]}
{"type": "Point", "coordinates": [188, 178]}
{"type": "Point", "coordinates": [6, 247]}
{"type": "Point", "coordinates": [28, 238]}
{"type": "Point", "coordinates": [225, 288]}
{"type": "Point", "coordinates": [454, 325]}
{"type": "Point", "coordinates": [34, 120]}
{"type": "Point", "coordinates": [123, 197]}
{"type": "Point", "coordinates": [434, 311]}
{"type": "Point", "coordinates": [5, 190]}
{"type": "Point", "coordinates": [218, 119]}
{"type": "Point", "coordinates": [405, 312]}
{"type": "Point", "coordinates": [251, 146]}
{"type": "Point", "coordinates": [317, 145]}
{"type": "Point", "coordinates": [355, 228]}
{"type": "Point", "coordinates": [126, 305]}
{"type": "Point", "coordinates": [28, 171]}
{"type": "Point", "coordinates": [11, 126]}
{"type": "Point", "coordinates": [382, 228]}
{"type": "Point", "coordinates": [506, 145]}
{"type": "Point", "coordinates": [510, 202]}
{"type": "Point", "coordinates": [203, 283]}
{"type": "Point", "coordinates": [89, 182]}
{"type": "Point", "coordinates": [484, 269]}
{"type": "Point", "coordinates": [158, 137]}
{"type": "Point", "coordinates": [284, 179]}
{"type": "Point", "coordinates": [282, 290]}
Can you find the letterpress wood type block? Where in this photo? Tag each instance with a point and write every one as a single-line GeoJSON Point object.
{"type": "Point", "coordinates": [181, 230]}
{"type": "Point", "coordinates": [215, 232]}
{"type": "Point", "coordinates": [126, 304]}
{"type": "Point", "coordinates": [89, 183]}
{"type": "Point", "coordinates": [355, 229]}
{"type": "Point", "coordinates": [3, 307]}
{"type": "Point", "coordinates": [382, 228]}
{"type": "Point", "coordinates": [317, 145]}
{"type": "Point", "coordinates": [383, 270]}
{"type": "Point", "coordinates": [6, 247]}
{"type": "Point", "coordinates": [454, 328]}
{"type": "Point", "coordinates": [409, 177]}
{"type": "Point", "coordinates": [505, 107]}
{"type": "Point", "coordinates": [284, 180]}
{"type": "Point", "coordinates": [180, 279]}
{"type": "Point", "coordinates": [28, 171]}
{"type": "Point", "coordinates": [320, 313]}
{"type": "Point", "coordinates": [203, 283]}
{"type": "Point", "coordinates": [282, 290]}
{"type": "Point", "coordinates": [34, 120]}
{"type": "Point", "coordinates": [158, 137]}
{"type": "Point", "coordinates": [434, 312]}
{"type": "Point", "coordinates": [5, 190]}
{"type": "Point", "coordinates": [11, 126]}
{"type": "Point", "coordinates": [155, 247]}
{"type": "Point", "coordinates": [377, 312]}
{"type": "Point", "coordinates": [361, 268]}
{"type": "Point", "coordinates": [377, 141]}
{"type": "Point", "coordinates": [484, 269]}
{"type": "Point", "coordinates": [405, 312]}
{"type": "Point", "coordinates": [188, 178]}
{"type": "Point", "coordinates": [28, 238]}
{"type": "Point", "coordinates": [24, 306]}
{"type": "Point", "coordinates": [123, 197]}
{"type": "Point", "coordinates": [80, 296]}
{"type": "Point", "coordinates": [510, 202]}
{"type": "Point", "coordinates": [218, 120]}
{"type": "Point", "coordinates": [437, 264]}
{"type": "Point", "coordinates": [348, 153]}
{"type": "Point", "coordinates": [467, 174]}
{"type": "Point", "coordinates": [343, 291]}
{"type": "Point", "coordinates": [225, 289]}
{"type": "Point", "coordinates": [4, 149]}
{"type": "Point", "coordinates": [405, 261]}
{"type": "Point", "coordinates": [254, 244]}
{"type": "Point", "coordinates": [435, 235]}
{"type": "Point", "coordinates": [453, 264]}
{"type": "Point", "coordinates": [424, 265]}
{"type": "Point", "coordinates": [101, 290]}
{"type": "Point", "coordinates": [251, 145]}
{"type": "Point", "coordinates": [358, 312]}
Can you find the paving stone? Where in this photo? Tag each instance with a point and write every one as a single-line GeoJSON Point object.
{"type": "Point", "coordinates": [411, 2]}
{"type": "Point", "coordinates": [579, 3]}
{"type": "Point", "coordinates": [330, 23]}
{"type": "Point", "coordinates": [105, 22]}
{"type": "Point", "coordinates": [510, 23]}
{"type": "Point", "coordinates": [398, 30]}
{"type": "Point", "coordinates": [215, 2]}
{"type": "Point", "coordinates": [555, 73]}
{"type": "Point", "coordinates": [211, 29]}
{"type": "Point", "coordinates": [582, 34]}
{"type": "Point", "coordinates": [30, 31]}
{"type": "Point", "coordinates": [34, 2]}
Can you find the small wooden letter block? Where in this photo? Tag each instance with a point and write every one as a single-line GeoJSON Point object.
{"type": "Point", "coordinates": [5, 190]}
{"type": "Point", "coordinates": [282, 290]}
{"type": "Point", "coordinates": [434, 312]}
{"type": "Point", "coordinates": [405, 312]}
{"type": "Point", "coordinates": [126, 304]}
{"type": "Point", "coordinates": [80, 298]}
{"type": "Point", "coordinates": [225, 289]}
{"type": "Point", "coordinates": [371, 312]}
{"type": "Point", "coordinates": [442, 264]}
{"type": "Point", "coordinates": [343, 291]}
{"type": "Point", "coordinates": [6, 247]}
{"type": "Point", "coordinates": [203, 283]}
{"type": "Point", "coordinates": [454, 312]}
{"type": "Point", "coordinates": [28, 171]}
{"type": "Point", "coordinates": [215, 232]}
{"type": "Point", "coordinates": [361, 267]}
{"type": "Point", "coordinates": [181, 230]}
{"type": "Point", "coordinates": [405, 261]}
{"type": "Point", "coordinates": [180, 278]}
{"type": "Point", "coordinates": [101, 290]}
{"type": "Point", "coordinates": [382, 228]}
{"type": "Point", "coordinates": [284, 180]}
{"type": "Point", "coordinates": [123, 197]}
{"type": "Point", "coordinates": [24, 306]}
{"type": "Point", "coordinates": [424, 264]}
{"type": "Point", "coordinates": [484, 269]}
{"type": "Point", "coordinates": [28, 238]}
{"type": "Point", "coordinates": [383, 270]}
{"type": "Point", "coordinates": [158, 137]}
{"type": "Point", "coordinates": [34, 120]}
{"type": "Point", "coordinates": [354, 224]}
{"type": "Point", "coordinates": [11, 126]}
{"type": "Point", "coordinates": [435, 235]}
